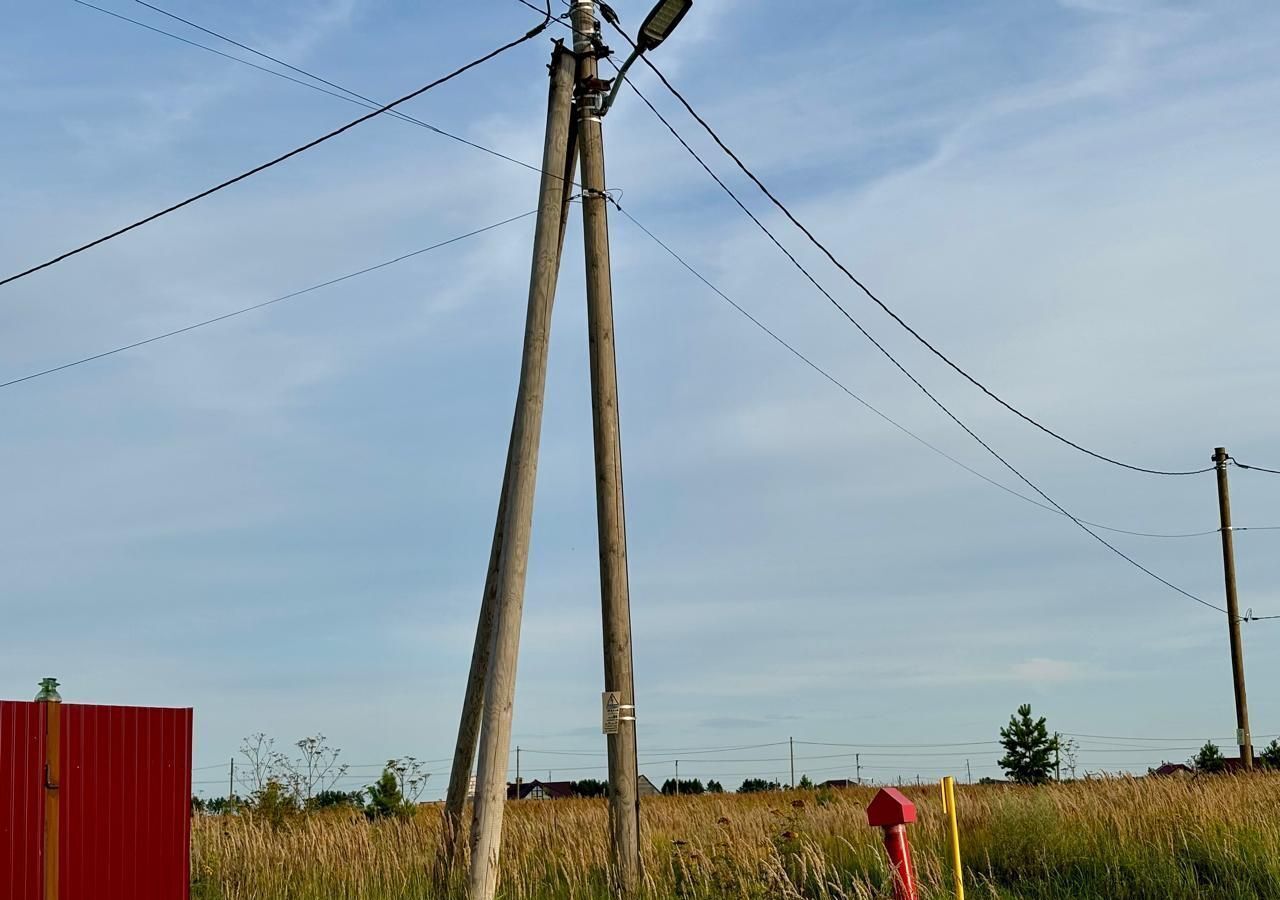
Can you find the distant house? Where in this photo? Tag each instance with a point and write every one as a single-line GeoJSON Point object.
{"type": "Point", "coordinates": [1170, 770]}
{"type": "Point", "coordinates": [838, 783]}
{"type": "Point", "coordinates": [645, 787]}
{"type": "Point", "coordinates": [541, 790]}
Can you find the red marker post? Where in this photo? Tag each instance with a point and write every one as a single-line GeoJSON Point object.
{"type": "Point", "coordinates": [892, 811]}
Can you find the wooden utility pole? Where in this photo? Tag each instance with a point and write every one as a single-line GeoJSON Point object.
{"type": "Point", "coordinates": [517, 498]}
{"type": "Point", "coordinates": [231, 783]}
{"type": "Point", "coordinates": [792, 743]}
{"type": "Point", "coordinates": [677, 778]}
{"type": "Point", "coordinates": [624, 800]}
{"type": "Point", "coordinates": [1243, 737]}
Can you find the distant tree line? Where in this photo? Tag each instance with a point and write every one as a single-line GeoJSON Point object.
{"type": "Point", "coordinates": [277, 786]}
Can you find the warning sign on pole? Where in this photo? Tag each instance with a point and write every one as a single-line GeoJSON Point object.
{"type": "Point", "coordinates": [611, 709]}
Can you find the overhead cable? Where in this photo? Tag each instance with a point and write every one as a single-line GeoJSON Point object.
{"type": "Point", "coordinates": [884, 306]}
{"type": "Point", "coordinates": [265, 303]}
{"type": "Point", "coordinates": [919, 385]}
{"type": "Point", "coordinates": [884, 416]}
{"type": "Point", "coordinates": [341, 92]}
{"type": "Point", "coordinates": [532, 33]}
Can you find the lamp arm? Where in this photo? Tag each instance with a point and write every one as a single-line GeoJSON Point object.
{"type": "Point", "coordinates": [617, 82]}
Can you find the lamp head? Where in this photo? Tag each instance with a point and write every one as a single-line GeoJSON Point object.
{"type": "Point", "coordinates": [661, 21]}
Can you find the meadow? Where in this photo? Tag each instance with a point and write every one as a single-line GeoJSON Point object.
{"type": "Point", "coordinates": [1120, 839]}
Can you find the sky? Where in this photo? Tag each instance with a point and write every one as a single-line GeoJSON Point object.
{"type": "Point", "coordinates": [283, 520]}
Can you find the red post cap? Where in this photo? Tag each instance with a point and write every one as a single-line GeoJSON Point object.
{"type": "Point", "coordinates": [890, 807]}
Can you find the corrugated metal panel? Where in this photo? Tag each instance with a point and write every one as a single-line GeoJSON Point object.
{"type": "Point", "coordinates": [21, 800]}
{"type": "Point", "coordinates": [125, 803]}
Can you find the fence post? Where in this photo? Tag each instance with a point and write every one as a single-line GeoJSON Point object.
{"type": "Point", "coordinates": [891, 811]}
{"type": "Point", "coordinates": [52, 702]}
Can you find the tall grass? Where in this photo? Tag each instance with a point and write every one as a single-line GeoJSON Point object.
{"type": "Point", "coordinates": [1121, 839]}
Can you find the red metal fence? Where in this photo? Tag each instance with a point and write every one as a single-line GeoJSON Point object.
{"type": "Point", "coordinates": [124, 802]}
{"type": "Point", "coordinates": [21, 800]}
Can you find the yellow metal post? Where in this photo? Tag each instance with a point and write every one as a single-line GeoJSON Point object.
{"type": "Point", "coordinates": [949, 809]}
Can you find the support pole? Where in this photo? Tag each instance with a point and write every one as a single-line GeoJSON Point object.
{"type": "Point", "coordinates": [231, 784]}
{"type": "Point", "coordinates": [624, 801]}
{"type": "Point", "coordinates": [1243, 737]}
{"type": "Point", "coordinates": [52, 703]}
{"type": "Point", "coordinates": [517, 504]}
{"type": "Point", "coordinates": [792, 743]}
{"type": "Point", "coordinates": [464, 753]}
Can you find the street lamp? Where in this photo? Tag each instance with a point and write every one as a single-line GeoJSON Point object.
{"type": "Point", "coordinates": [657, 27]}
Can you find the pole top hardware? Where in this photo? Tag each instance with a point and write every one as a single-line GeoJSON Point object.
{"type": "Point", "coordinates": [48, 691]}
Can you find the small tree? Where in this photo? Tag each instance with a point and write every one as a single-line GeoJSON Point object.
{"type": "Point", "coordinates": [385, 798]}
{"type": "Point", "coordinates": [591, 787]}
{"type": "Point", "coordinates": [715, 787]}
{"type": "Point", "coordinates": [805, 783]}
{"type": "Point", "coordinates": [332, 799]}
{"type": "Point", "coordinates": [1028, 748]}
{"type": "Point", "coordinates": [218, 806]}
{"type": "Point", "coordinates": [758, 786]}
{"type": "Point", "coordinates": [1210, 759]}
{"type": "Point", "coordinates": [275, 803]}
{"type": "Point", "coordinates": [1270, 755]}
{"type": "Point", "coordinates": [687, 787]}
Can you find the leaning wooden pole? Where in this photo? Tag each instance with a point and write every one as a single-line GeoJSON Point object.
{"type": "Point", "coordinates": [522, 470]}
{"type": "Point", "coordinates": [464, 753]}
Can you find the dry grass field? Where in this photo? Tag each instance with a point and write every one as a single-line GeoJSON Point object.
{"type": "Point", "coordinates": [1120, 839]}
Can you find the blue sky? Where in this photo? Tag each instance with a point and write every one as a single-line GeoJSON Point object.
{"type": "Point", "coordinates": [283, 520]}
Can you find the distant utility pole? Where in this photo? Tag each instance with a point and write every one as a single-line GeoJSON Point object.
{"type": "Point", "coordinates": [505, 605]}
{"type": "Point", "coordinates": [518, 771]}
{"type": "Point", "coordinates": [1243, 737]}
{"type": "Point", "coordinates": [792, 742]}
{"type": "Point", "coordinates": [857, 761]}
{"type": "Point", "coordinates": [968, 771]}
{"type": "Point", "coordinates": [615, 594]}
{"type": "Point", "coordinates": [231, 782]}
{"type": "Point", "coordinates": [1057, 756]}
{"type": "Point", "coordinates": [677, 778]}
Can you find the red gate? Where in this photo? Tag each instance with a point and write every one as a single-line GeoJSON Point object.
{"type": "Point", "coordinates": [123, 802]}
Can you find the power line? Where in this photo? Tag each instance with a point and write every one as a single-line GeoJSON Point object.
{"type": "Point", "coordinates": [532, 33]}
{"type": "Point", "coordinates": [884, 416]}
{"type": "Point", "coordinates": [265, 303]}
{"type": "Point", "coordinates": [1241, 465]}
{"type": "Point", "coordinates": [347, 95]}
{"type": "Point", "coordinates": [795, 262]}
{"type": "Point", "coordinates": [362, 100]}
{"type": "Point", "coordinates": [894, 746]}
{"type": "Point", "coordinates": [884, 306]}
